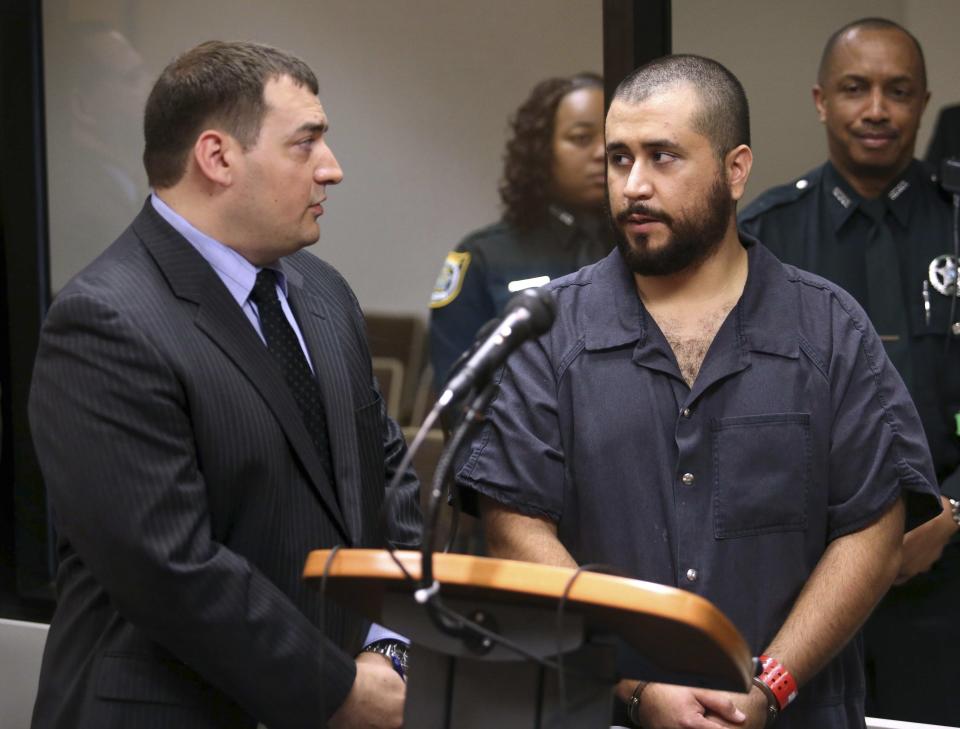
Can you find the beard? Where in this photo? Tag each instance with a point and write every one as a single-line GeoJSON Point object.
{"type": "Point", "coordinates": [695, 233]}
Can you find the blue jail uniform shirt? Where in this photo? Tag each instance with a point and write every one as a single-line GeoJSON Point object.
{"type": "Point", "coordinates": [797, 431]}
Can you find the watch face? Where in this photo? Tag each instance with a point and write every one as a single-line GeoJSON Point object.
{"type": "Point", "coordinates": [395, 651]}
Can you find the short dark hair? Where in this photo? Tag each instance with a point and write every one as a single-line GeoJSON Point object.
{"type": "Point", "coordinates": [217, 83]}
{"type": "Point", "coordinates": [867, 24]}
{"type": "Point", "coordinates": [528, 160]}
{"type": "Point", "coordinates": [724, 115]}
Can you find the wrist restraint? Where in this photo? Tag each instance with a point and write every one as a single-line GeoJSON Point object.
{"type": "Point", "coordinates": [777, 684]}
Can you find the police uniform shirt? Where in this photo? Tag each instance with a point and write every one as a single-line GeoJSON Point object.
{"type": "Point", "coordinates": [796, 431]}
{"type": "Point", "coordinates": [819, 223]}
{"type": "Point", "coordinates": [490, 265]}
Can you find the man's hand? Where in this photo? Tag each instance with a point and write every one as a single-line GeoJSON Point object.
{"type": "Point", "coordinates": [753, 705]}
{"type": "Point", "coordinates": [376, 699]}
{"type": "Point", "coordinates": [663, 706]}
{"type": "Point", "coordinates": [924, 545]}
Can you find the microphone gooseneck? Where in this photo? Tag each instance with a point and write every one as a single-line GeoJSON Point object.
{"type": "Point", "coordinates": [527, 315]}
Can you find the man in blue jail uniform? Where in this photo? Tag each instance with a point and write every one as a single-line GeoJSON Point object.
{"type": "Point", "coordinates": [702, 416]}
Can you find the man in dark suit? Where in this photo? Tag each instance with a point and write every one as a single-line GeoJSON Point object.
{"type": "Point", "coordinates": [205, 415]}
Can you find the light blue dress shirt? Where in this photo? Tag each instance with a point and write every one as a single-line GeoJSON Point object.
{"type": "Point", "coordinates": [239, 276]}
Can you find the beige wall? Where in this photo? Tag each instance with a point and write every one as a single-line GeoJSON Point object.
{"type": "Point", "coordinates": [936, 23]}
{"type": "Point", "coordinates": [418, 93]}
{"type": "Point", "coordinates": [774, 47]}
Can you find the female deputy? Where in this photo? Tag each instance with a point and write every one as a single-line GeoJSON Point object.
{"type": "Point", "coordinates": [553, 191]}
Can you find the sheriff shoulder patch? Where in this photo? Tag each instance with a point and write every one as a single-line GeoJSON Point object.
{"type": "Point", "coordinates": [450, 280]}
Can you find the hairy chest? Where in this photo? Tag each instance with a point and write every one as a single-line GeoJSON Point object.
{"type": "Point", "coordinates": [690, 337]}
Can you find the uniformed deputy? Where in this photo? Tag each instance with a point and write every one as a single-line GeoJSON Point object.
{"type": "Point", "coordinates": [552, 192]}
{"type": "Point", "coordinates": [874, 220]}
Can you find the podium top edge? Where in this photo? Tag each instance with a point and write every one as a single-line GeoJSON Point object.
{"type": "Point", "coordinates": [512, 577]}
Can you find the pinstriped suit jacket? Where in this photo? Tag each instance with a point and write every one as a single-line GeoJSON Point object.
{"type": "Point", "coordinates": [186, 494]}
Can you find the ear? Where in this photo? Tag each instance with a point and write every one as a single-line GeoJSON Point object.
{"type": "Point", "coordinates": [215, 155]}
{"type": "Point", "coordinates": [819, 101]}
{"type": "Point", "coordinates": [737, 165]}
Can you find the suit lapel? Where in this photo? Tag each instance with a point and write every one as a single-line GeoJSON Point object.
{"type": "Point", "coordinates": [218, 316]}
{"type": "Point", "coordinates": [323, 344]}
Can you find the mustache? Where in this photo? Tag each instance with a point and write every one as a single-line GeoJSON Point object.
{"type": "Point", "coordinates": [639, 208]}
{"type": "Point", "coordinates": [874, 128]}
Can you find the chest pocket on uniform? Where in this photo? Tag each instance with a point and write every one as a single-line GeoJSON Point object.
{"type": "Point", "coordinates": [762, 474]}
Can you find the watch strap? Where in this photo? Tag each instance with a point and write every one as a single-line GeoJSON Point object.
{"type": "Point", "coordinates": [395, 650]}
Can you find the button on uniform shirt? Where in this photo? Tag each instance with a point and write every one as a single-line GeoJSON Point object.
{"type": "Point", "coordinates": [796, 431]}
{"type": "Point", "coordinates": [492, 264]}
{"type": "Point", "coordinates": [818, 223]}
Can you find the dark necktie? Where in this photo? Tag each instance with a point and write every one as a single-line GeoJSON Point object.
{"type": "Point", "coordinates": [285, 347]}
{"type": "Point", "coordinates": [884, 289]}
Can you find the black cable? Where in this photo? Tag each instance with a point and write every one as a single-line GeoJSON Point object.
{"type": "Point", "coordinates": [454, 522]}
{"type": "Point", "coordinates": [322, 612]}
{"type": "Point", "coordinates": [465, 624]}
{"type": "Point", "coordinates": [561, 606]}
{"type": "Point", "coordinates": [472, 418]}
{"type": "Point", "coordinates": [392, 487]}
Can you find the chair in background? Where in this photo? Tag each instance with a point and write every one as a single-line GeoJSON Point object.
{"type": "Point", "coordinates": [390, 376]}
{"type": "Point", "coordinates": [21, 651]}
{"type": "Point", "coordinates": [424, 397]}
{"type": "Point", "coordinates": [401, 337]}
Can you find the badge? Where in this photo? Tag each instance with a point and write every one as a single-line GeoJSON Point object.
{"type": "Point", "coordinates": [450, 280]}
{"type": "Point", "coordinates": [943, 275]}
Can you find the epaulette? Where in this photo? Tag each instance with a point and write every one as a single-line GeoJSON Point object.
{"type": "Point", "coordinates": [782, 195]}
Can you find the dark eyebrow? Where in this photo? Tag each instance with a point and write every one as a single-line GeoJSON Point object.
{"type": "Point", "coordinates": [660, 144]}
{"type": "Point", "coordinates": [318, 128]}
{"type": "Point", "coordinates": [616, 146]}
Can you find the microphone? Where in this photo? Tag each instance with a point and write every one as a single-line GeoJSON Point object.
{"type": "Point", "coordinates": [527, 315]}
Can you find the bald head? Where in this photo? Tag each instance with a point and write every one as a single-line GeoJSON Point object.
{"type": "Point", "coordinates": [870, 97]}
{"type": "Point", "coordinates": [853, 32]}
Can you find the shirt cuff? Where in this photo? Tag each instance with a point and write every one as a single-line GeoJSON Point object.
{"type": "Point", "coordinates": [378, 632]}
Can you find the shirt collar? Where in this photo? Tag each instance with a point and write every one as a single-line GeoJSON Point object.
{"type": "Point", "coordinates": [236, 272]}
{"type": "Point", "coordinates": [566, 227]}
{"type": "Point", "coordinates": [841, 200]}
{"type": "Point", "coordinates": [766, 311]}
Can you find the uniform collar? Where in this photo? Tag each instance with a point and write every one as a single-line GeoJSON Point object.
{"type": "Point", "coordinates": [841, 200]}
{"type": "Point", "coordinates": [766, 313]}
{"type": "Point", "coordinates": [567, 227]}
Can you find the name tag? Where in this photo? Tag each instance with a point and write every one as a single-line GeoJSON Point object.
{"type": "Point", "coordinates": [528, 283]}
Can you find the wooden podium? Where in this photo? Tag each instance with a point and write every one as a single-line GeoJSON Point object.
{"type": "Point", "coordinates": [472, 684]}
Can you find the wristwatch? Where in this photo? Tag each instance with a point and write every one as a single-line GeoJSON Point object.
{"type": "Point", "coordinates": [394, 650]}
{"type": "Point", "coordinates": [954, 510]}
